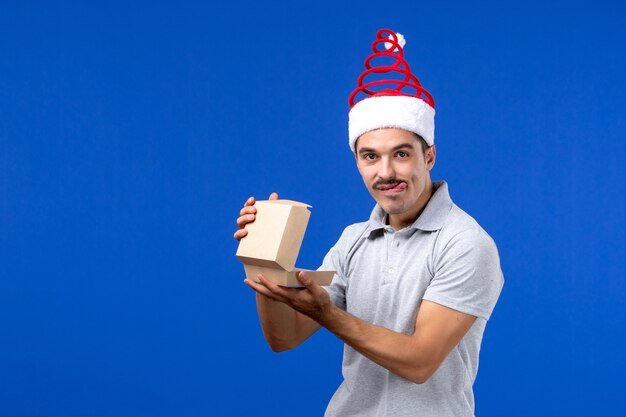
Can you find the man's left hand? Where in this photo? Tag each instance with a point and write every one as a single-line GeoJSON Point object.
{"type": "Point", "coordinates": [311, 300]}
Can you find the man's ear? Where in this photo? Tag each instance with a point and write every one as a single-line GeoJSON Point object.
{"type": "Point", "coordinates": [430, 157]}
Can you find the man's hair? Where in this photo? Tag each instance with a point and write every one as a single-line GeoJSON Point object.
{"type": "Point", "coordinates": [422, 142]}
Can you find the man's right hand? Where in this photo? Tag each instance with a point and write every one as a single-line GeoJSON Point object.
{"type": "Point", "coordinates": [248, 215]}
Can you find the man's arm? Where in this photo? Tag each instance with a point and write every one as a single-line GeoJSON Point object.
{"type": "Point", "coordinates": [283, 327]}
{"type": "Point", "coordinates": [414, 357]}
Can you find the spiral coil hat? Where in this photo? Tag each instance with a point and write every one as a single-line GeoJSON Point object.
{"type": "Point", "coordinates": [392, 44]}
{"type": "Point", "coordinates": [389, 95]}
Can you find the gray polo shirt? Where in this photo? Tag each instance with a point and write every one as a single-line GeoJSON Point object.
{"type": "Point", "coordinates": [382, 277]}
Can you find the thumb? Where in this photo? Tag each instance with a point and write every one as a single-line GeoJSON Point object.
{"type": "Point", "coordinates": [308, 282]}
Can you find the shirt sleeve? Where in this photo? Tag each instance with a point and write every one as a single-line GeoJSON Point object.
{"type": "Point", "coordinates": [467, 274]}
{"type": "Point", "coordinates": [335, 261]}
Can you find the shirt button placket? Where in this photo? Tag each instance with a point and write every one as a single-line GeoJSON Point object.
{"type": "Point", "coordinates": [391, 258]}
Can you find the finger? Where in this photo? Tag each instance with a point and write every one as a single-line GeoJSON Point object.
{"type": "Point", "coordinates": [240, 234]}
{"type": "Point", "coordinates": [286, 294]}
{"type": "Point", "coordinates": [274, 288]}
{"type": "Point", "coordinates": [261, 289]}
{"type": "Point", "coordinates": [274, 196]}
{"type": "Point", "coordinates": [277, 291]}
{"type": "Point", "coordinates": [247, 210]}
{"type": "Point", "coordinates": [245, 219]}
{"type": "Point", "coordinates": [309, 283]}
{"type": "Point", "coordinates": [249, 201]}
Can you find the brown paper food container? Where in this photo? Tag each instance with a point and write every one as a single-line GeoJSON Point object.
{"type": "Point", "coordinates": [273, 242]}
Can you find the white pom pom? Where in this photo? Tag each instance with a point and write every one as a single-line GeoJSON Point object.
{"type": "Point", "coordinates": [401, 41]}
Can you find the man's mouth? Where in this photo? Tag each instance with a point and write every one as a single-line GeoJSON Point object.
{"type": "Point", "coordinates": [392, 188]}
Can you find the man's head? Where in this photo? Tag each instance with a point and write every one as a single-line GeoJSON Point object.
{"type": "Point", "coordinates": [395, 166]}
{"type": "Point", "coordinates": [392, 131]}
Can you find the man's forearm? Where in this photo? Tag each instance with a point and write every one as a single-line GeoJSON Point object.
{"type": "Point", "coordinates": [404, 355]}
{"type": "Point", "coordinates": [283, 327]}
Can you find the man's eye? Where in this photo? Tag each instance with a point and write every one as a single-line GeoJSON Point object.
{"type": "Point", "coordinates": [402, 154]}
{"type": "Point", "coordinates": [369, 156]}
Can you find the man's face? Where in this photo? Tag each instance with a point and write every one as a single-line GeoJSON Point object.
{"type": "Point", "coordinates": [395, 171]}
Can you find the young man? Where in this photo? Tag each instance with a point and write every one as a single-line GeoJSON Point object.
{"type": "Point", "coordinates": [415, 284]}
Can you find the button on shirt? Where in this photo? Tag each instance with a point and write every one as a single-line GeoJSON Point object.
{"type": "Point", "coordinates": [382, 277]}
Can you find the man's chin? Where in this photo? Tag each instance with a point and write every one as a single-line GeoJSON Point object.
{"type": "Point", "coordinates": [390, 203]}
{"type": "Point", "coordinates": [391, 209]}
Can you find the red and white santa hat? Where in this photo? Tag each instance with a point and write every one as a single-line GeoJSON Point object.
{"type": "Point", "coordinates": [391, 96]}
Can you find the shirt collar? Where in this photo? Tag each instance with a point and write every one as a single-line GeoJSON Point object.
{"type": "Point", "coordinates": [431, 219]}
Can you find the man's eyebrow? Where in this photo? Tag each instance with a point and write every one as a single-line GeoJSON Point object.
{"type": "Point", "coordinates": [403, 145]}
{"type": "Point", "coordinates": [395, 148]}
{"type": "Point", "coordinates": [367, 150]}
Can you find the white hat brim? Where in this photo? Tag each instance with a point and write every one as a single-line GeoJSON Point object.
{"type": "Point", "coordinates": [402, 112]}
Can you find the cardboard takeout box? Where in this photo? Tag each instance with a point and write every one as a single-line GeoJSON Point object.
{"type": "Point", "coordinates": [273, 242]}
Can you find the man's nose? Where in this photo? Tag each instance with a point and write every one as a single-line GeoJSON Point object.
{"type": "Point", "coordinates": [386, 169]}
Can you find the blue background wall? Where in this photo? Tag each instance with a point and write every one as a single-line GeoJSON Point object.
{"type": "Point", "coordinates": [131, 134]}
